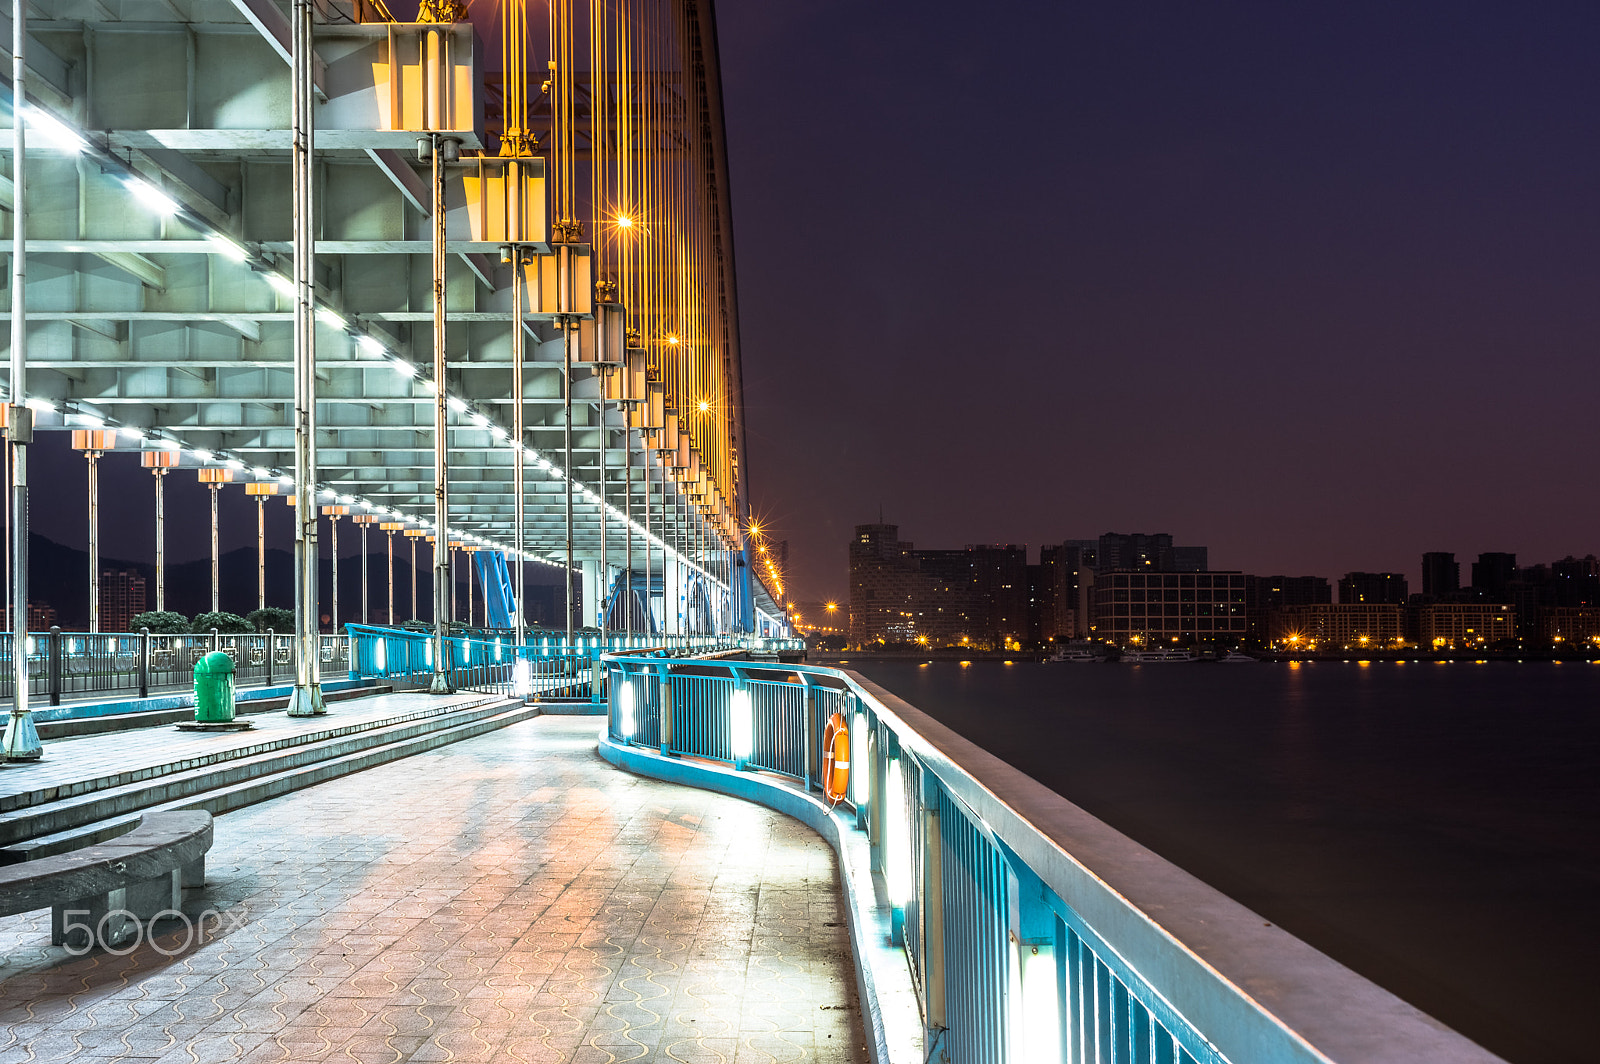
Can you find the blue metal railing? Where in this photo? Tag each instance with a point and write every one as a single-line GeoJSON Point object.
{"type": "Point", "coordinates": [544, 667]}
{"type": "Point", "coordinates": [1006, 966]}
{"type": "Point", "coordinates": [73, 665]}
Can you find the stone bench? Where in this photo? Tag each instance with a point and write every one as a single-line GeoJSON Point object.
{"type": "Point", "coordinates": [100, 894]}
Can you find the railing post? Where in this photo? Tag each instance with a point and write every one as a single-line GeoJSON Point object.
{"type": "Point", "coordinates": [809, 712]}
{"type": "Point", "coordinates": [666, 710]}
{"type": "Point", "coordinates": [53, 664]}
{"type": "Point", "coordinates": [144, 663]}
{"type": "Point", "coordinates": [860, 764]}
{"type": "Point", "coordinates": [272, 653]}
{"type": "Point", "coordinates": [216, 641]}
{"type": "Point", "coordinates": [932, 872]}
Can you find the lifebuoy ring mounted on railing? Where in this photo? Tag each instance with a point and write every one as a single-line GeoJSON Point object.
{"type": "Point", "coordinates": [836, 759]}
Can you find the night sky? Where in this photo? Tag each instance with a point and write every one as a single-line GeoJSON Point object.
{"type": "Point", "coordinates": [1312, 285]}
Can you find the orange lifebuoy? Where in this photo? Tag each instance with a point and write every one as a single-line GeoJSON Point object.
{"type": "Point", "coordinates": [836, 759]}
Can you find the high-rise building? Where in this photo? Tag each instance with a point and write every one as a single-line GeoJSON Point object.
{"type": "Point", "coordinates": [1147, 552]}
{"type": "Point", "coordinates": [1441, 574]}
{"type": "Point", "coordinates": [1263, 594]}
{"type": "Point", "coordinates": [1372, 588]}
{"type": "Point", "coordinates": [1000, 592]}
{"type": "Point", "coordinates": [122, 597]}
{"type": "Point", "coordinates": [1492, 572]}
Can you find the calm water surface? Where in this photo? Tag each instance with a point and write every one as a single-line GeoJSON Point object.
{"type": "Point", "coordinates": [1434, 826]}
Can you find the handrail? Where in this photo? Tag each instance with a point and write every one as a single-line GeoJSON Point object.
{"type": "Point", "coordinates": [544, 666]}
{"type": "Point", "coordinates": [133, 664]}
{"type": "Point", "coordinates": [1031, 930]}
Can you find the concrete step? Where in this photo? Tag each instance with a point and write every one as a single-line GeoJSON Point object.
{"type": "Point", "coordinates": [44, 794]}
{"type": "Point", "coordinates": [476, 721]}
{"type": "Point", "coordinates": [73, 727]}
{"type": "Point", "coordinates": [180, 780]}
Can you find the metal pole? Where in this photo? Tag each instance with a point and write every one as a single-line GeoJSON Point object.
{"type": "Point", "coordinates": [389, 617]}
{"type": "Point", "coordinates": [414, 578]}
{"type": "Point", "coordinates": [261, 552]}
{"type": "Point", "coordinates": [364, 572]}
{"type": "Point", "coordinates": [439, 684]}
{"type": "Point", "coordinates": [161, 538]}
{"type": "Point", "coordinates": [518, 487]}
{"type": "Point", "coordinates": [603, 589]}
{"type": "Point", "coordinates": [21, 742]}
{"type": "Point", "coordinates": [216, 567]}
{"type": "Point", "coordinates": [566, 395]}
{"type": "Point", "coordinates": [94, 539]}
{"type": "Point", "coordinates": [306, 700]}
{"type": "Point", "coordinates": [627, 513]}
{"type": "Point", "coordinates": [333, 542]}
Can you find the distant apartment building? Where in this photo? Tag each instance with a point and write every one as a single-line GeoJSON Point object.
{"type": "Point", "coordinates": [1440, 626]}
{"type": "Point", "coordinates": [1347, 625]}
{"type": "Point", "coordinates": [1372, 589]}
{"type": "Point", "coordinates": [1148, 552]}
{"type": "Point", "coordinates": [1153, 607]}
{"type": "Point", "coordinates": [1263, 594]}
{"type": "Point", "coordinates": [41, 616]}
{"type": "Point", "coordinates": [1557, 625]}
{"type": "Point", "coordinates": [1441, 575]}
{"type": "Point", "coordinates": [122, 597]}
{"type": "Point", "coordinates": [1492, 574]}
{"type": "Point", "coordinates": [902, 595]}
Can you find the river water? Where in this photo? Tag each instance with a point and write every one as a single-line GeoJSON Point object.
{"type": "Point", "coordinates": [1436, 827]}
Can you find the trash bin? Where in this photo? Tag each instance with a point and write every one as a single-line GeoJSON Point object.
{"type": "Point", "coordinates": [213, 689]}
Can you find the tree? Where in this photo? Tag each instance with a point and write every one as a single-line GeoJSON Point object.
{"type": "Point", "coordinates": [160, 622]}
{"type": "Point", "coordinates": [276, 618]}
{"type": "Point", "coordinates": [224, 622]}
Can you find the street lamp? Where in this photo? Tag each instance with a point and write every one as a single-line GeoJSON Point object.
{"type": "Point", "coordinates": [365, 521]}
{"type": "Point", "coordinates": [261, 489]}
{"type": "Point", "coordinates": [389, 528]}
{"type": "Point", "coordinates": [214, 477]}
{"type": "Point", "coordinates": [158, 462]}
{"type": "Point", "coordinates": [93, 443]}
{"type": "Point", "coordinates": [333, 513]}
{"type": "Point", "coordinates": [414, 534]}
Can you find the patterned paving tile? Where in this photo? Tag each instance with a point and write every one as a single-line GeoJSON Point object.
{"type": "Point", "coordinates": [510, 898]}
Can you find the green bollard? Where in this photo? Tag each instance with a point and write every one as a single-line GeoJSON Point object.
{"type": "Point", "coordinates": [213, 689]}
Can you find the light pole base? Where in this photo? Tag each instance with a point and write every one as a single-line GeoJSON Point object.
{"type": "Point", "coordinates": [440, 685]}
{"type": "Point", "coordinates": [21, 741]}
{"type": "Point", "coordinates": [306, 701]}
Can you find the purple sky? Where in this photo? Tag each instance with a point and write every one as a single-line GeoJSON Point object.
{"type": "Point", "coordinates": [1312, 285]}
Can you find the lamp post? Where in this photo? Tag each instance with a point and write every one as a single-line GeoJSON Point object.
{"type": "Point", "coordinates": [469, 550]}
{"type": "Point", "coordinates": [93, 444]}
{"type": "Point", "coordinates": [261, 490]}
{"type": "Point", "coordinates": [158, 462]}
{"type": "Point", "coordinates": [365, 521]}
{"type": "Point", "coordinates": [214, 478]}
{"type": "Point", "coordinates": [454, 545]}
{"type": "Point", "coordinates": [21, 742]}
{"type": "Point", "coordinates": [389, 528]}
{"type": "Point", "coordinates": [333, 513]}
{"type": "Point", "coordinates": [414, 534]}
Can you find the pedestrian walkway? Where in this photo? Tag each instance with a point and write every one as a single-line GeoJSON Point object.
{"type": "Point", "coordinates": [505, 898]}
{"type": "Point", "coordinates": [73, 765]}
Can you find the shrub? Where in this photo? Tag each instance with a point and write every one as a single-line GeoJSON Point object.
{"type": "Point", "coordinates": [160, 622]}
{"type": "Point", "coordinates": [276, 618]}
{"type": "Point", "coordinates": [224, 622]}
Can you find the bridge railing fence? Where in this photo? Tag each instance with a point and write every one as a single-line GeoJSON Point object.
{"type": "Point", "coordinates": [1014, 958]}
{"type": "Point", "coordinates": [544, 667]}
{"type": "Point", "coordinates": [75, 665]}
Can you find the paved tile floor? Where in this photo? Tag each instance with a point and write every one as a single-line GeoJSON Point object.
{"type": "Point", "coordinates": [507, 898]}
{"type": "Point", "coordinates": [70, 760]}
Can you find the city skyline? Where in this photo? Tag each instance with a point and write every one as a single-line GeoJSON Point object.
{"type": "Point", "coordinates": [1313, 285]}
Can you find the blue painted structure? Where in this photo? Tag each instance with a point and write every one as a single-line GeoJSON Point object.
{"type": "Point", "coordinates": [499, 597]}
{"type": "Point", "coordinates": [1029, 931]}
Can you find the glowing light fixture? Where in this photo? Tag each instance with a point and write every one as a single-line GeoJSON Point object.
{"type": "Point", "coordinates": [741, 726]}
{"type": "Point", "coordinates": [54, 133]}
{"type": "Point", "coordinates": [625, 710]}
{"type": "Point", "coordinates": [152, 197]}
